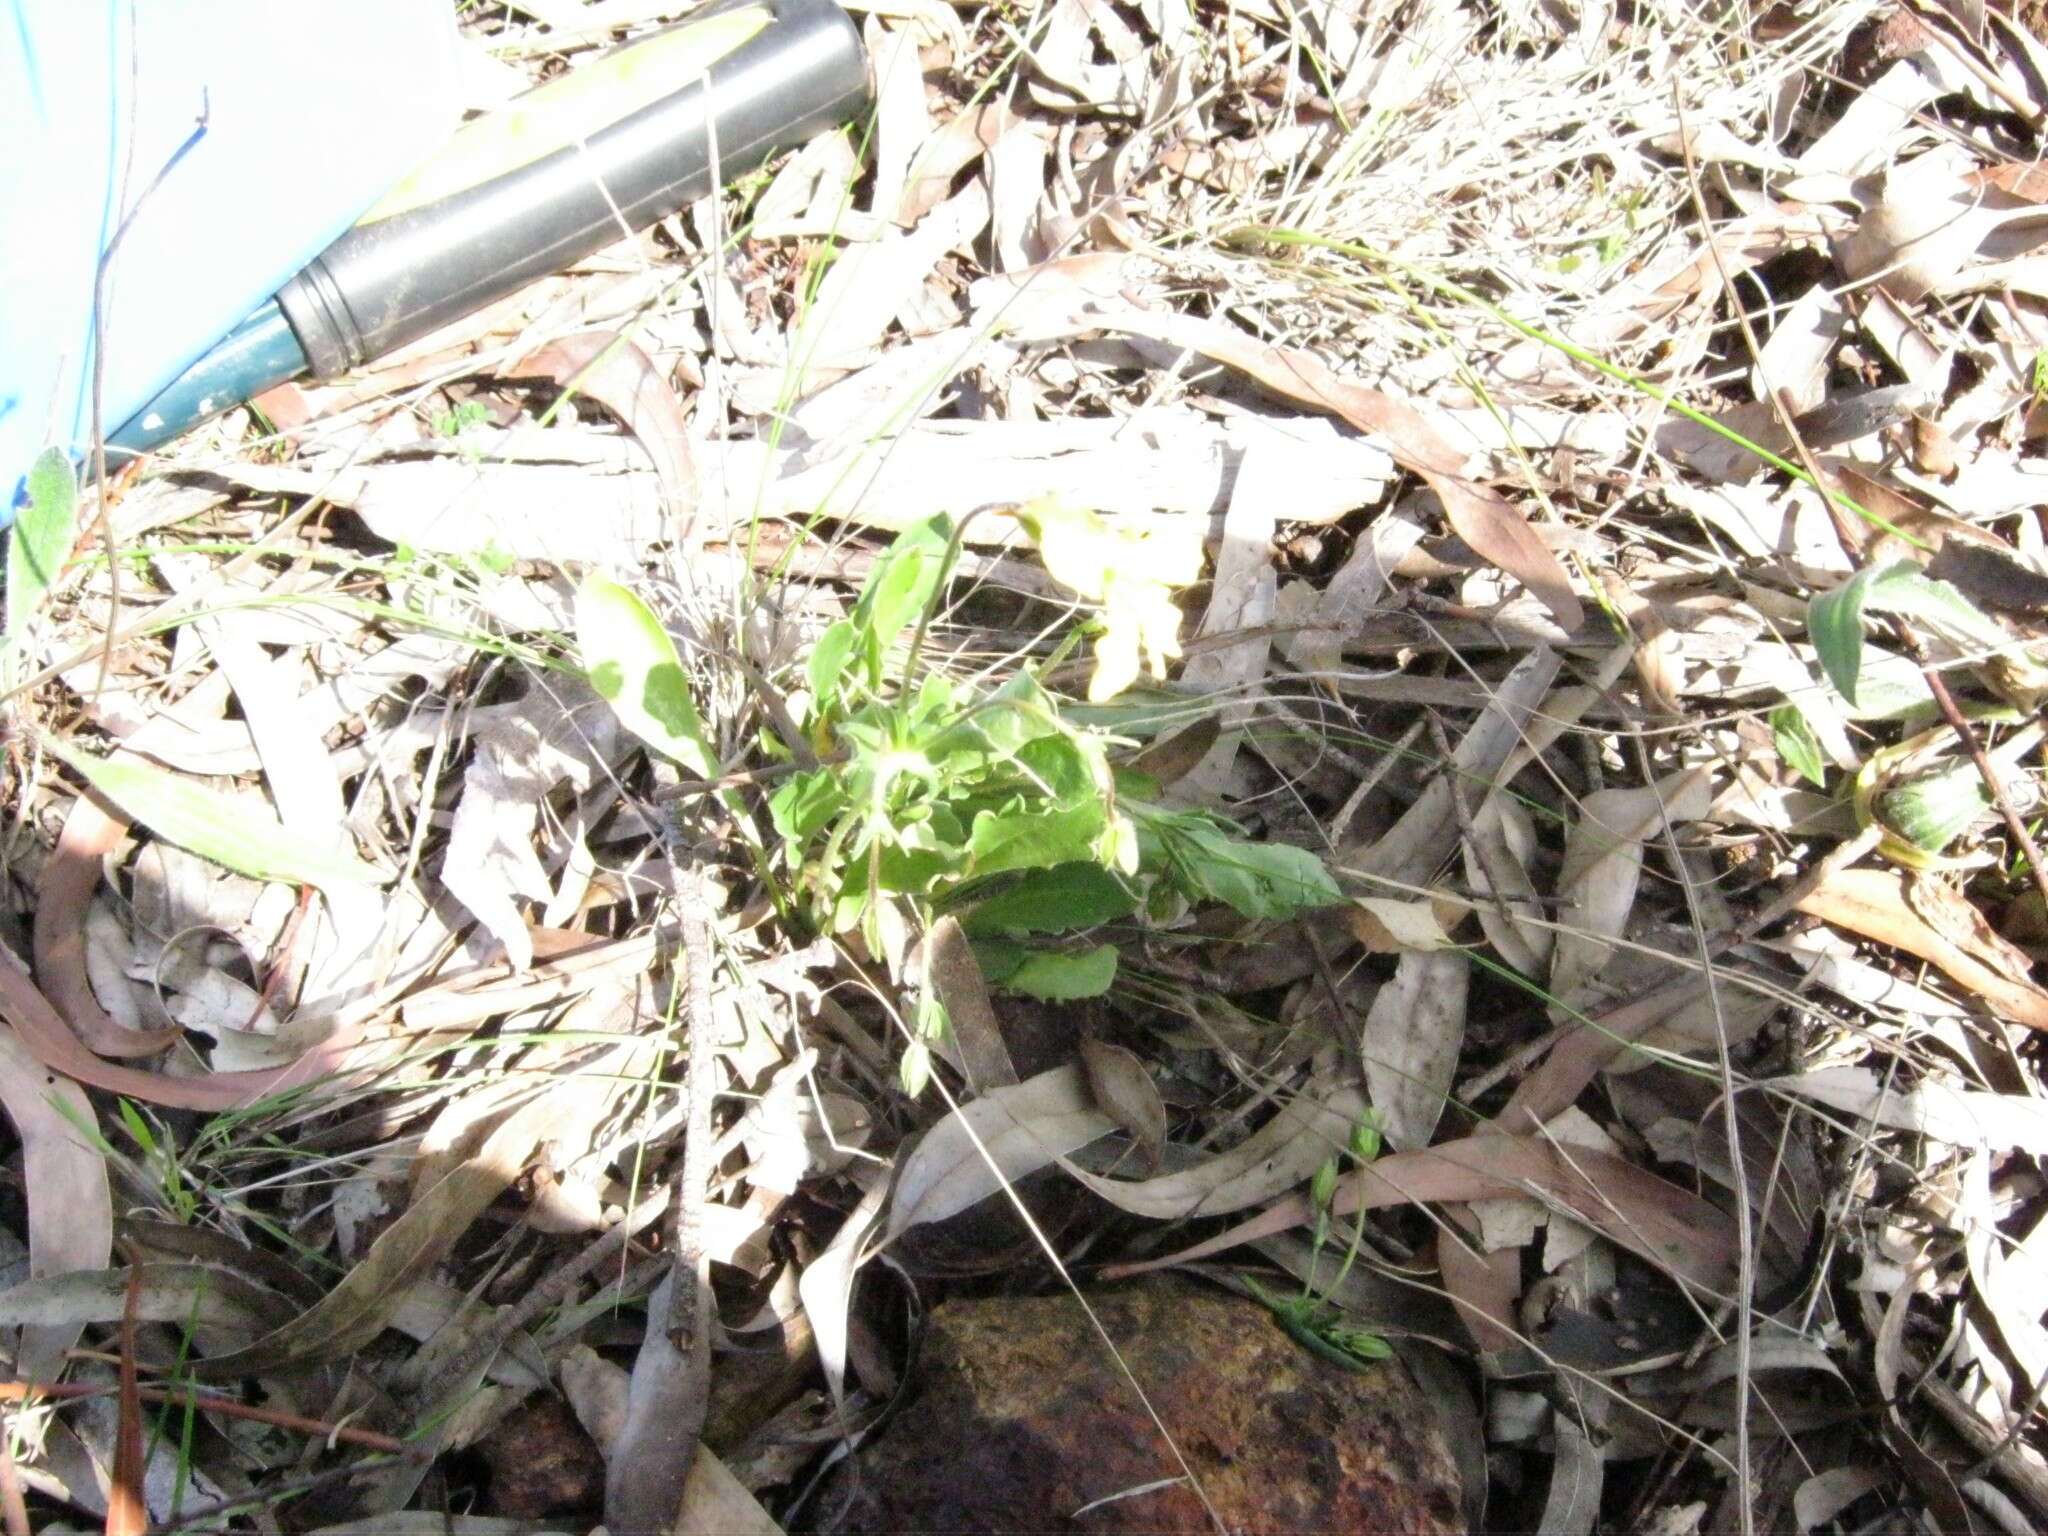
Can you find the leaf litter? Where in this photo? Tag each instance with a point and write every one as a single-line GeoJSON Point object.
{"type": "Point", "coordinates": [1673, 814]}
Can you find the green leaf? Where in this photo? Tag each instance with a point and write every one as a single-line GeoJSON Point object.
{"type": "Point", "coordinates": [1258, 880]}
{"type": "Point", "coordinates": [215, 826]}
{"type": "Point", "coordinates": [1057, 976]}
{"type": "Point", "coordinates": [1834, 622]}
{"type": "Point", "coordinates": [634, 667]}
{"type": "Point", "coordinates": [904, 579]}
{"type": "Point", "coordinates": [805, 804]}
{"type": "Point", "coordinates": [1057, 900]}
{"type": "Point", "coordinates": [41, 539]}
{"type": "Point", "coordinates": [1017, 838]}
{"type": "Point", "coordinates": [828, 663]}
{"type": "Point", "coordinates": [1798, 747]}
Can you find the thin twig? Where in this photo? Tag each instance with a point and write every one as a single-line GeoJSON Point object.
{"type": "Point", "coordinates": [207, 1402]}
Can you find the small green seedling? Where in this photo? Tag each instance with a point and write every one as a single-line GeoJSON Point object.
{"type": "Point", "coordinates": [1312, 1319]}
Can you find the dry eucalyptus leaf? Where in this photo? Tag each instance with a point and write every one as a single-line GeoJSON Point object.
{"type": "Point", "coordinates": [1277, 1156]}
{"type": "Point", "coordinates": [1000, 1137]}
{"type": "Point", "coordinates": [1124, 1090]}
{"type": "Point", "coordinates": [1603, 864]}
{"type": "Point", "coordinates": [1410, 1042]}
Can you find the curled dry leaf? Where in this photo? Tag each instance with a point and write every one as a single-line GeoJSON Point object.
{"type": "Point", "coordinates": [1669, 1227]}
{"type": "Point", "coordinates": [65, 889]}
{"type": "Point", "coordinates": [1123, 1089]}
{"type": "Point", "coordinates": [1499, 849]}
{"type": "Point", "coordinates": [620, 377]}
{"type": "Point", "coordinates": [52, 1043]}
{"type": "Point", "coordinates": [1276, 1157]}
{"type": "Point", "coordinates": [994, 1141]}
{"type": "Point", "coordinates": [976, 1044]}
{"type": "Point", "coordinates": [1389, 927]}
{"type": "Point", "coordinates": [1875, 903]}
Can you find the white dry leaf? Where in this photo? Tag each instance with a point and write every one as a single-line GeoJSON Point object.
{"type": "Point", "coordinates": [519, 760]}
{"type": "Point", "coordinates": [1064, 77]}
{"type": "Point", "coordinates": [1501, 847]}
{"type": "Point", "coordinates": [297, 769]}
{"type": "Point", "coordinates": [1870, 129]}
{"type": "Point", "coordinates": [1511, 1220]}
{"type": "Point", "coordinates": [596, 1390]}
{"type": "Point", "coordinates": [1410, 1043]}
{"type": "Point", "coordinates": [866, 287]}
{"type": "Point", "coordinates": [826, 1284]}
{"type": "Point", "coordinates": [1963, 1117]}
{"type": "Point", "coordinates": [1016, 179]}
{"type": "Point", "coordinates": [1924, 232]}
{"type": "Point", "coordinates": [1241, 597]}
{"type": "Point", "coordinates": [447, 506]}
{"type": "Point", "coordinates": [1903, 337]}
{"type": "Point", "coordinates": [109, 961]}
{"type": "Point", "coordinates": [1825, 1495]}
{"type": "Point", "coordinates": [1831, 962]}
{"type": "Point", "coordinates": [904, 384]}
{"type": "Point", "coordinates": [1427, 833]}
{"type": "Point", "coordinates": [983, 1146]}
{"type": "Point", "coordinates": [2012, 1277]}
{"type": "Point", "coordinates": [902, 121]}
{"type": "Point", "coordinates": [1322, 621]}
{"type": "Point", "coordinates": [1155, 467]}
{"type": "Point", "coordinates": [1795, 360]}
{"type": "Point", "coordinates": [1603, 864]}
{"type": "Point", "coordinates": [715, 1503]}
{"type": "Point", "coordinates": [1280, 1154]}
{"type": "Point", "coordinates": [810, 197]}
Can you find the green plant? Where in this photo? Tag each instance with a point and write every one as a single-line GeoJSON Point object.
{"type": "Point", "coordinates": [1312, 1318]}
{"type": "Point", "coordinates": [41, 537]}
{"type": "Point", "coordinates": [908, 794]}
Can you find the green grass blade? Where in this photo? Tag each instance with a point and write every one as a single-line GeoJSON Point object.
{"type": "Point", "coordinates": [215, 826]}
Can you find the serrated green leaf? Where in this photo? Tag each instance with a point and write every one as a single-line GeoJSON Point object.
{"type": "Point", "coordinates": [634, 667]}
{"type": "Point", "coordinates": [1056, 976]}
{"type": "Point", "coordinates": [1057, 900]}
{"type": "Point", "coordinates": [226, 830]}
{"type": "Point", "coordinates": [1022, 838]}
{"type": "Point", "coordinates": [1798, 747]}
{"type": "Point", "coordinates": [42, 537]}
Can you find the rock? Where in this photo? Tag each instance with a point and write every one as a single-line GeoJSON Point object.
{"type": "Point", "coordinates": [1021, 1420]}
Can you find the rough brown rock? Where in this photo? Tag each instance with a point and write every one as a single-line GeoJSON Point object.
{"type": "Point", "coordinates": [1022, 1419]}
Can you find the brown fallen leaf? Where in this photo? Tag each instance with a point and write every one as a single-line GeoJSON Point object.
{"type": "Point", "coordinates": [1669, 1227]}
{"type": "Point", "coordinates": [1879, 905]}
{"type": "Point", "coordinates": [1482, 517]}
{"type": "Point", "coordinates": [50, 1040]}
{"type": "Point", "coordinates": [1124, 1090]}
{"type": "Point", "coordinates": [358, 1308]}
{"type": "Point", "coordinates": [615, 373]}
{"type": "Point", "coordinates": [63, 892]}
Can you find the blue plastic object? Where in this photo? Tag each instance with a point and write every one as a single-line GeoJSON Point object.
{"type": "Point", "coordinates": [212, 147]}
